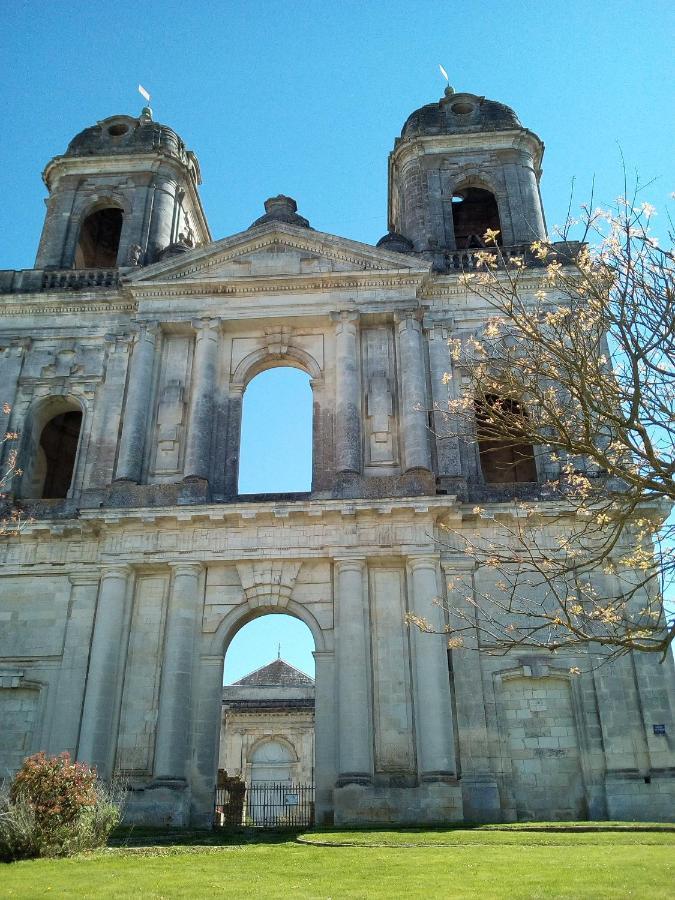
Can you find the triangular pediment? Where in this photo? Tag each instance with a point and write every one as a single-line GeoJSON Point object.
{"type": "Point", "coordinates": [276, 250]}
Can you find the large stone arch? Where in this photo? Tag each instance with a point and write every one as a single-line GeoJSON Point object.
{"type": "Point", "coordinates": [241, 615]}
{"type": "Point", "coordinates": [207, 723]}
{"type": "Point", "coordinates": [262, 359]}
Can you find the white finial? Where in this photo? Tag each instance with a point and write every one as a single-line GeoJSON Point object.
{"type": "Point", "coordinates": [449, 90]}
{"type": "Point", "coordinates": [145, 94]}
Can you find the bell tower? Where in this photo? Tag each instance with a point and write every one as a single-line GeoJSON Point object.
{"type": "Point", "coordinates": [462, 166]}
{"type": "Point", "coordinates": [125, 192]}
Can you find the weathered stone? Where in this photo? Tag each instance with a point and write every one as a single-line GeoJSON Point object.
{"type": "Point", "coordinates": [120, 596]}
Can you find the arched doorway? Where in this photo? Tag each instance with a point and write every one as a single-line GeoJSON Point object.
{"type": "Point", "coordinates": [266, 749]}
{"type": "Point", "coordinates": [275, 453]}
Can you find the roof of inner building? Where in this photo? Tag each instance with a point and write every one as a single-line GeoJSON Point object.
{"type": "Point", "coordinates": [279, 673]}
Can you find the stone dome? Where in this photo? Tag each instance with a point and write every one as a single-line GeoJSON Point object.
{"type": "Point", "coordinates": [396, 242]}
{"type": "Point", "coordinates": [459, 114]}
{"type": "Point", "coordinates": [128, 135]}
{"type": "Point", "coordinates": [281, 209]}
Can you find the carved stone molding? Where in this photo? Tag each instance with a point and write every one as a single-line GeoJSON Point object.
{"type": "Point", "coordinates": [268, 583]}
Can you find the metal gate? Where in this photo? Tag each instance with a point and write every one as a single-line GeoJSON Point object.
{"type": "Point", "coordinates": [266, 804]}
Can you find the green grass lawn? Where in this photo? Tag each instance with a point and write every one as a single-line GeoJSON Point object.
{"type": "Point", "coordinates": [454, 863]}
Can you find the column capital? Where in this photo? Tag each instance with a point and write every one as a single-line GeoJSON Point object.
{"type": "Point", "coordinates": [345, 317]}
{"type": "Point", "coordinates": [146, 330]}
{"type": "Point", "coordinates": [408, 318]}
{"type": "Point", "coordinates": [345, 563]}
{"type": "Point", "coordinates": [86, 577]}
{"type": "Point", "coordinates": [186, 568]}
{"type": "Point", "coordinates": [416, 561]}
{"type": "Point", "coordinates": [458, 564]}
{"type": "Point", "coordinates": [116, 570]}
{"type": "Point", "coordinates": [206, 326]}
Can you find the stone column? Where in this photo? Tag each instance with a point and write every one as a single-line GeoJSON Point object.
{"type": "Point", "coordinates": [107, 413]}
{"type": "Point", "coordinates": [479, 783]}
{"type": "Point", "coordinates": [325, 763]}
{"type": "Point", "coordinates": [162, 219]}
{"type": "Point", "coordinates": [11, 362]}
{"type": "Point", "coordinates": [347, 394]}
{"type": "Point", "coordinates": [433, 709]}
{"type": "Point", "coordinates": [137, 406]}
{"type": "Point", "coordinates": [200, 419]}
{"type": "Point", "coordinates": [175, 696]}
{"type": "Point", "coordinates": [414, 413]}
{"type": "Point", "coordinates": [229, 455]}
{"type": "Point", "coordinates": [207, 719]}
{"type": "Point", "coordinates": [73, 670]}
{"type": "Point", "coordinates": [99, 714]}
{"type": "Point", "coordinates": [355, 755]}
{"type": "Point", "coordinates": [442, 391]}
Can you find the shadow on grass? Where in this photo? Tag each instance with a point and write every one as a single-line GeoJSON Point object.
{"type": "Point", "coordinates": [142, 836]}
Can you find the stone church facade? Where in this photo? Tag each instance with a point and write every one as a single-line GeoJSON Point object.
{"type": "Point", "coordinates": [124, 356]}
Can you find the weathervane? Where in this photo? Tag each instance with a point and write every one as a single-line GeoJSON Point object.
{"type": "Point", "coordinates": [146, 96]}
{"type": "Point", "coordinates": [449, 89]}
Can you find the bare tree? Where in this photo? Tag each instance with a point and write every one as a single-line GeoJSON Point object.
{"type": "Point", "coordinates": [573, 373]}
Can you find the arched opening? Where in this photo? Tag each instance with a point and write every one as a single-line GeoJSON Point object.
{"type": "Point", "coordinates": [266, 752]}
{"type": "Point", "coordinates": [49, 452]}
{"type": "Point", "coordinates": [276, 433]}
{"type": "Point", "coordinates": [474, 211]}
{"type": "Point", "coordinates": [505, 457]}
{"type": "Point", "coordinates": [58, 442]}
{"type": "Point", "coordinates": [99, 240]}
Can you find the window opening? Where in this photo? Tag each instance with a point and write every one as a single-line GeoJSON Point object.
{"type": "Point", "coordinates": [99, 240]}
{"type": "Point", "coordinates": [474, 210]}
{"type": "Point", "coordinates": [503, 459]}
{"type": "Point", "coordinates": [276, 433]}
{"type": "Point", "coordinates": [58, 443]}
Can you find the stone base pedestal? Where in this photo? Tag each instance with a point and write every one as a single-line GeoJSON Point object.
{"type": "Point", "coordinates": [631, 796]}
{"type": "Point", "coordinates": [436, 803]}
{"type": "Point", "coordinates": [160, 803]}
{"type": "Point", "coordinates": [480, 797]}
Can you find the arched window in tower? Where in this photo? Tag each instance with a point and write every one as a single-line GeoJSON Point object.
{"type": "Point", "coordinates": [276, 433]}
{"type": "Point", "coordinates": [474, 211]}
{"type": "Point", "coordinates": [99, 240]}
{"type": "Point", "coordinates": [504, 456]}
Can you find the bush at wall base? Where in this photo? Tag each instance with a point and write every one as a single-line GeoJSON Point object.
{"type": "Point", "coordinates": [55, 807]}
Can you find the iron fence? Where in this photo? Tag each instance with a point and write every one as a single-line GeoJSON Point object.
{"type": "Point", "coordinates": [266, 804]}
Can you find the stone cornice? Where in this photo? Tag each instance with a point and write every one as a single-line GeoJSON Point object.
{"type": "Point", "coordinates": [511, 139]}
{"type": "Point", "coordinates": [60, 303]}
{"type": "Point", "coordinates": [296, 284]}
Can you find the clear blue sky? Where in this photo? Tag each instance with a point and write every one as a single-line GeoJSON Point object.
{"type": "Point", "coordinates": [306, 98]}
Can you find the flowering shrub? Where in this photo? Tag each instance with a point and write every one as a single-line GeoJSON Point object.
{"type": "Point", "coordinates": [55, 807]}
{"type": "Point", "coordinates": [57, 789]}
